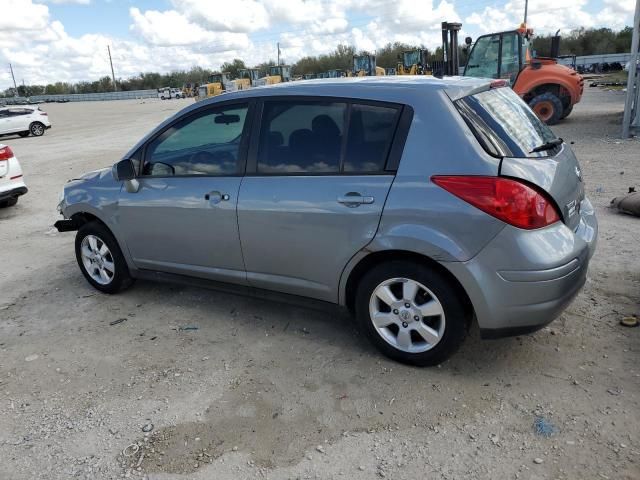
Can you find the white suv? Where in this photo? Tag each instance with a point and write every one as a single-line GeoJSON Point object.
{"type": "Point", "coordinates": [11, 179]}
{"type": "Point", "coordinates": [23, 120]}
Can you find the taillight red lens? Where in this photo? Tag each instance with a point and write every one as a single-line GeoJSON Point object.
{"type": "Point", "coordinates": [44, 113]}
{"type": "Point", "coordinates": [511, 201]}
{"type": "Point", "coordinates": [5, 153]}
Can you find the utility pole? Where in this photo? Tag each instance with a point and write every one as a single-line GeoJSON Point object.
{"type": "Point", "coordinates": [113, 75]}
{"type": "Point", "coordinates": [15, 87]}
{"type": "Point", "coordinates": [526, 7]}
{"type": "Point", "coordinates": [278, 45]}
{"type": "Point", "coordinates": [631, 116]}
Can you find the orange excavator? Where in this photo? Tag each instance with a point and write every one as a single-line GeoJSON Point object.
{"type": "Point", "coordinates": [550, 89]}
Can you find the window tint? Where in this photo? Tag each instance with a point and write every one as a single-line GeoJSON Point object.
{"type": "Point", "coordinates": [207, 143]}
{"type": "Point", "coordinates": [371, 130]}
{"type": "Point", "coordinates": [504, 124]}
{"type": "Point", "coordinates": [301, 137]}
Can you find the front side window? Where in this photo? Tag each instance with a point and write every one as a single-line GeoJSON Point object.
{"type": "Point", "coordinates": [206, 143]}
{"type": "Point", "coordinates": [510, 59]}
{"type": "Point", "coordinates": [301, 137]}
{"type": "Point", "coordinates": [483, 59]}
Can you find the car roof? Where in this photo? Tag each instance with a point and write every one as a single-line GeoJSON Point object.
{"type": "Point", "coordinates": [391, 88]}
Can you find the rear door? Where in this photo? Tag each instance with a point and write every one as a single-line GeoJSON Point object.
{"type": "Point", "coordinates": [507, 128]}
{"type": "Point", "coordinates": [316, 183]}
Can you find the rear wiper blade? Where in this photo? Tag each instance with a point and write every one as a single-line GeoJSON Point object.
{"type": "Point", "coordinates": [548, 145]}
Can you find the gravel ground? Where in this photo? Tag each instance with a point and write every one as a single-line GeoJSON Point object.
{"type": "Point", "coordinates": [265, 390]}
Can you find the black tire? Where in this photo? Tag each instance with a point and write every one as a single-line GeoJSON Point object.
{"type": "Point", "coordinates": [120, 279]}
{"type": "Point", "coordinates": [10, 202]}
{"type": "Point", "coordinates": [24, 134]}
{"type": "Point", "coordinates": [567, 111]}
{"type": "Point", "coordinates": [455, 316]}
{"type": "Point", "coordinates": [37, 129]}
{"type": "Point", "coordinates": [548, 107]}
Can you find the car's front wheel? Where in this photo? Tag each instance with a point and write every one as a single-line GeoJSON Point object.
{"type": "Point", "coordinates": [100, 258]}
{"type": "Point", "coordinates": [10, 202]}
{"type": "Point", "coordinates": [411, 313]}
{"type": "Point", "coordinates": [37, 129]}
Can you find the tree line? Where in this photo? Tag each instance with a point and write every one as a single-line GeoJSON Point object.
{"type": "Point", "coordinates": [579, 42]}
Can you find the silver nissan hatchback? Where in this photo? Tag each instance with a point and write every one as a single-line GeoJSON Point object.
{"type": "Point", "coordinates": [420, 204]}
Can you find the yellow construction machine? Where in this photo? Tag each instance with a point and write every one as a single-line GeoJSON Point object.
{"type": "Point", "coordinates": [277, 74]}
{"type": "Point", "coordinates": [217, 83]}
{"type": "Point", "coordinates": [413, 63]}
{"type": "Point", "coordinates": [189, 89]}
{"type": "Point", "coordinates": [247, 78]}
{"type": "Point", "coordinates": [365, 65]}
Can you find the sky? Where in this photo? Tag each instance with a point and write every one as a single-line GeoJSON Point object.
{"type": "Point", "coordinates": [66, 40]}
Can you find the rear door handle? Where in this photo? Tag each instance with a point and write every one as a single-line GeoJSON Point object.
{"type": "Point", "coordinates": [216, 197]}
{"type": "Point", "coordinates": [354, 199]}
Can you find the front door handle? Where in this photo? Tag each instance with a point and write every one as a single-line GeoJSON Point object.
{"type": "Point", "coordinates": [216, 197]}
{"type": "Point", "coordinates": [354, 199]}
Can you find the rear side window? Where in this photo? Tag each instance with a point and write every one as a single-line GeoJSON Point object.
{"type": "Point", "coordinates": [504, 124]}
{"type": "Point", "coordinates": [315, 137]}
{"type": "Point", "coordinates": [371, 130]}
{"type": "Point", "coordinates": [301, 137]}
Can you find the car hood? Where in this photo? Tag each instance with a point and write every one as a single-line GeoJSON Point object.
{"type": "Point", "coordinates": [93, 175]}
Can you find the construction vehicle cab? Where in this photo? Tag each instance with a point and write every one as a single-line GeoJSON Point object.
{"type": "Point", "coordinates": [413, 63]}
{"type": "Point", "coordinates": [365, 65]}
{"type": "Point", "coordinates": [277, 74]}
{"type": "Point", "coordinates": [335, 73]}
{"type": "Point", "coordinates": [247, 78]}
{"type": "Point", "coordinates": [550, 89]}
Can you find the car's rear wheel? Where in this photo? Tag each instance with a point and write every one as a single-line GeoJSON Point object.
{"type": "Point", "coordinates": [24, 134]}
{"type": "Point", "coordinates": [10, 202]}
{"type": "Point", "coordinates": [411, 313]}
{"type": "Point", "coordinates": [37, 129]}
{"type": "Point", "coordinates": [100, 258]}
{"type": "Point", "coordinates": [548, 107]}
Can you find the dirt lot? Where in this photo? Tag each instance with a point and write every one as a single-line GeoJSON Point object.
{"type": "Point", "coordinates": [265, 390]}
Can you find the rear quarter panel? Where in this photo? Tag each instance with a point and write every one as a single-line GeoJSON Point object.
{"type": "Point", "coordinates": [421, 217]}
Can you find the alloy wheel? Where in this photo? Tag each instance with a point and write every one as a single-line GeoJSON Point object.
{"type": "Point", "coordinates": [97, 259]}
{"type": "Point", "coordinates": [407, 315]}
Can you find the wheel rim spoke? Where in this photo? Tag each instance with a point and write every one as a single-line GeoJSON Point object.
{"type": "Point", "coordinates": [93, 243]}
{"type": "Point", "coordinates": [103, 249]}
{"type": "Point", "coordinates": [427, 333]}
{"type": "Point", "coordinates": [104, 275]}
{"type": "Point", "coordinates": [404, 339]}
{"type": "Point", "coordinates": [108, 266]}
{"type": "Point", "coordinates": [382, 320]}
{"type": "Point", "coordinates": [431, 308]}
{"type": "Point", "coordinates": [386, 295]}
{"type": "Point", "coordinates": [409, 290]}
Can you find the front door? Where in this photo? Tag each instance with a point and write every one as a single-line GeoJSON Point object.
{"type": "Point", "coordinates": [314, 192]}
{"type": "Point", "coordinates": [183, 218]}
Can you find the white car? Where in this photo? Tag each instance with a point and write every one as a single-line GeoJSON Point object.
{"type": "Point", "coordinates": [11, 179]}
{"type": "Point", "coordinates": [23, 120]}
{"type": "Point", "coordinates": [167, 93]}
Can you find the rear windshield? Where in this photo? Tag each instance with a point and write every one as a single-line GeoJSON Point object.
{"type": "Point", "coordinates": [504, 124]}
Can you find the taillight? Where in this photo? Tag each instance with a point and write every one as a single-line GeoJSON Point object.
{"type": "Point", "coordinates": [5, 153]}
{"type": "Point", "coordinates": [499, 83]}
{"type": "Point", "coordinates": [43, 113]}
{"type": "Point", "coordinates": [511, 201]}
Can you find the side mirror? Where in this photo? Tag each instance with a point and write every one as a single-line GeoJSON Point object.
{"type": "Point", "coordinates": [124, 170]}
{"type": "Point", "coordinates": [468, 40]}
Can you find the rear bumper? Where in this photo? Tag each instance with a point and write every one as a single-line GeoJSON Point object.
{"type": "Point", "coordinates": [523, 279]}
{"type": "Point", "coordinates": [13, 193]}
